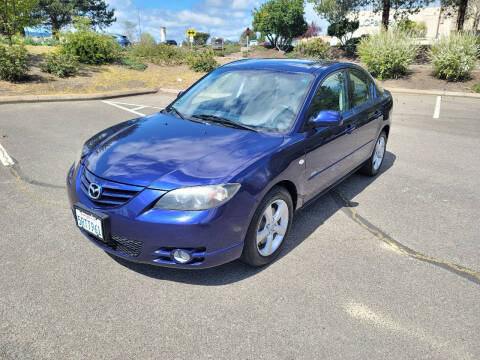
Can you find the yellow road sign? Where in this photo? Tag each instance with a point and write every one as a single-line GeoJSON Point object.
{"type": "Point", "coordinates": [191, 33]}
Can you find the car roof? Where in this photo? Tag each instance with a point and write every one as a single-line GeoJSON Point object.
{"type": "Point", "coordinates": [289, 65]}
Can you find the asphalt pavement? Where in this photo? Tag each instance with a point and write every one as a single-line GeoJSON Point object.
{"type": "Point", "coordinates": [384, 267]}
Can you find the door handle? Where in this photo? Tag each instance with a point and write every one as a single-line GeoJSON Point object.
{"type": "Point", "coordinates": [349, 129]}
{"type": "Point", "coordinates": [376, 115]}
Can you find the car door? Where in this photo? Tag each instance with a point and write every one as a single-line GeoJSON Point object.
{"type": "Point", "coordinates": [329, 149]}
{"type": "Point", "coordinates": [368, 116]}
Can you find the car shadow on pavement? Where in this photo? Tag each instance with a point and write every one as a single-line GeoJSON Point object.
{"type": "Point", "coordinates": [305, 222]}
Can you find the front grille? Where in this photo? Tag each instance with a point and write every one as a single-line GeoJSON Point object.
{"type": "Point", "coordinates": [113, 193]}
{"type": "Point", "coordinates": [128, 247]}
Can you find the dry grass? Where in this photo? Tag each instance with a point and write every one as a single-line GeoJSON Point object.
{"type": "Point", "coordinates": [38, 50]}
{"type": "Point", "coordinates": [95, 79]}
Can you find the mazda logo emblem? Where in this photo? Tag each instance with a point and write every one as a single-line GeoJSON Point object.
{"type": "Point", "coordinates": [94, 191]}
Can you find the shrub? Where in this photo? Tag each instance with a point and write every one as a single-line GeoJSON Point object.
{"type": "Point", "coordinates": [454, 57]}
{"type": "Point", "coordinates": [417, 29]}
{"type": "Point", "coordinates": [91, 47]}
{"type": "Point", "coordinates": [61, 65]}
{"type": "Point", "coordinates": [315, 49]}
{"type": "Point", "coordinates": [161, 54]}
{"type": "Point", "coordinates": [14, 61]}
{"type": "Point", "coordinates": [202, 61]}
{"type": "Point", "coordinates": [388, 54]}
{"type": "Point", "coordinates": [133, 63]}
{"type": "Point", "coordinates": [231, 48]}
{"type": "Point", "coordinates": [350, 46]}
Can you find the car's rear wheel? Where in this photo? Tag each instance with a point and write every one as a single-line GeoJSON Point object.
{"type": "Point", "coordinates": [269, 228]}
{"type": "Point", "coordinates": [374, 163]}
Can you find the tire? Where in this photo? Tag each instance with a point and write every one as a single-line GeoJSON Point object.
{"type": "Point", "coordinates": [371, 167]}
{"type": "Point", "coordinates": [262, 243]}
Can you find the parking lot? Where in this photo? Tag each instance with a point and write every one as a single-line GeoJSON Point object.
{"type": "Point", "coordinates": [384, 267]}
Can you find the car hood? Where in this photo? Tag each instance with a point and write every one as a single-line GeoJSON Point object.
{"type": "Point", "coordinates": [165, 152]}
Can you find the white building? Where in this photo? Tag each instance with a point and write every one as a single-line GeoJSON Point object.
{"type": "Point", "coordinates": [435, 22]}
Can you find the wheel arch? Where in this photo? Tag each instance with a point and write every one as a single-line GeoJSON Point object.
{"type": "Point", "coordinates": [386, 128]}
{"type": "Point", "coordinates": [291, 188]}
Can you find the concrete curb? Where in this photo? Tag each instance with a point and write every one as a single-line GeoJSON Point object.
{"type": "Point", "coordinates": [395, 90]}
{"type": "Point", "coordinates": [115, 94]}
{"type": "Point", "coordinates": [72, 97]}
{"type": "Point", "coordinates": [433, 92]}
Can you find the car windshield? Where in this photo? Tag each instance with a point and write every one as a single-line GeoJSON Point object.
{"type": "Point", "coordinates": [258, 99]}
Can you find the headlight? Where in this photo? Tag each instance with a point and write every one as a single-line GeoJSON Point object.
{"type": "Point", "coordinates": [197, 197]}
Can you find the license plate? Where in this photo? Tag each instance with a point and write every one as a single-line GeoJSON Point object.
{"type": "Point", "coordinates": [90, 222]}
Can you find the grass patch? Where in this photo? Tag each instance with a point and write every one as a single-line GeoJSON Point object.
{"type": "Point", "coordinates": [476, 88]}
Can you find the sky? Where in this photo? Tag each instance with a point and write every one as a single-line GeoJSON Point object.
{"type": "Point", "coordinates": [220, 18]}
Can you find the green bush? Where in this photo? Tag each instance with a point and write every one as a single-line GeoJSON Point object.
{"type": "Point", "coordinates": [417, 29]}
{"type": "Point", "coordinates": [133, 63]}
{"type": "Point", "coordinates": [231, 48]}
{"type": "Point", "coordinates": [476, 87]}
{"type": "Point", "coordinates": [454, 57]}
{"type": "Point", "coordinates": [350, 46]}
{"type": "Point", "coordinates": [61, 65]}
{"type": "Point", "coordinates": [202, 60]}
{"type": "Point", "coordinates": [388, 54]}
{"type": "Point", "coordinates": [160, 54]}
{"type": "Point", "coordinates": [14, 62]}
{"type": "Point", "coordinates": [314, 49]}
{"type": "Point", "coordinates": [91, 47]}
{"type": "Point", "coordinates": [28, 40]}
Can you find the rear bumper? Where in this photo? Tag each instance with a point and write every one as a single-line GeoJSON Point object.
{"type": "Point", "coordinates": [145, 235]}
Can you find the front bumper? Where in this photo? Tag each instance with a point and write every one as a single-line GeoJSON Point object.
{"type": "Point", "coordinates": [142, 234]}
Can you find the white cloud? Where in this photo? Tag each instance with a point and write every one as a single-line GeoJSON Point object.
{"type": "Point", "coordinates": [227, 19]}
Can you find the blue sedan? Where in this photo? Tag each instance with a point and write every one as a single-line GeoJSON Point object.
{"type": "Point", "coordinates": [219, 174]}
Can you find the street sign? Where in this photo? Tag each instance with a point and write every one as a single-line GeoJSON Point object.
{"type": "Point", "coordinates": [248, 31]}
{"type": "Point", "coordinates": [191, 32]}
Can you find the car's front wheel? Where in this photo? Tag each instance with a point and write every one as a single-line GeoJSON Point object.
{"type": "Point", "coordinates": [373, 164]}
{"type": "Point", "coordinates": [269, 228]}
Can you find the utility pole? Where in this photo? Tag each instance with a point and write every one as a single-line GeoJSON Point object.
{"type": "Point", "coordinates": [139, 24]}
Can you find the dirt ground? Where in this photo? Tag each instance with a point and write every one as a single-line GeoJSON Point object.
{"type": "Point", "coordinates": [93, 79]}
{"type": "Point", "coordinates": [421, 77]}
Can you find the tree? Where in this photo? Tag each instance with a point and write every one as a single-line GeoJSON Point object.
{"type": "Point", "coordinates": [201, 38]}
{"type": "Point", "coordinates": [403, 8]}
{"type": "Point", "coordinates": [473, 12]}
{"type": "Point", "coordinates": [97, 11]}
{"type": "Point", "coordinates": [147, 39]}
{"type": "Point", "coordinates": [280, 21]}
{"type": "Point", "coordinates": [312, 30]}
{"type": "Point", "coordinates": [15, 15]}
{"type": "Point", "coordinates": [343, 30]}
{"type": "Point", "coordinates": [129, 29]}
{"type": "Point", "coordinates": [59, 13]}
{"type": "Point", "coordinates": [335, 11]}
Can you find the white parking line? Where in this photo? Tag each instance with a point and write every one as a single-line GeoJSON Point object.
{"type": "Point", "coordinates": [122, 107]}
{"type": "Point", "coordinates": [436, 112]}
{"type": "Point", "coordinates": [123, 103]}
{"type": "Point", "coordinates": [4, 157]}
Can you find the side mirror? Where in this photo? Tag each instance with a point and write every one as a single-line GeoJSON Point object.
{"type": "Point", "coordinates": [180, 93]}
{"type": "Point", "coordinates": [327, 118]}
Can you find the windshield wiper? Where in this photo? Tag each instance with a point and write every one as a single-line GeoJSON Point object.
{"type": "Point", "coordinates": [220, 120]}
{"type": "Point", "coordinates": [177, 112]}
{"type": "Point", "coordinates": [172, 108]}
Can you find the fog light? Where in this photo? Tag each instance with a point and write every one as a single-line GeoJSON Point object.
{"type": "Point", "coordinates": [181, 256]}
